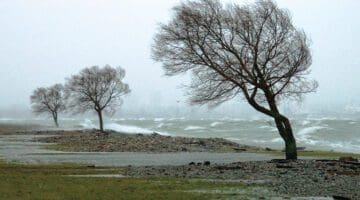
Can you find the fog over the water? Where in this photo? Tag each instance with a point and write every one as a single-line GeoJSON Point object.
{"type": "Point", "coordinates": [42, 42]}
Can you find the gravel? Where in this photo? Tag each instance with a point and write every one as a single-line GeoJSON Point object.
{"type": "Point", "coordinates": [304, 178]}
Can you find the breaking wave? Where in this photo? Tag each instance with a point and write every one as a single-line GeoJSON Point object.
{"type": "Point", "coordinates": [215, 124]}
{"type": "Point", "coordinates": [304, 135]}
{"type": "Point", "coordinates": [88, 124]}
{"type": "Point", "coordinates": [192, 128]}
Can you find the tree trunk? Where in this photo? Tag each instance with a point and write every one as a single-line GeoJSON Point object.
{"type": "Point", "coordinates": [100, 120]}
{"type": "Point", "coordinates": [55, 119]}
{"type": "Point", "coordinates": [284, 127]}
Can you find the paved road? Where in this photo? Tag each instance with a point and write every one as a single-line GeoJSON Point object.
{"type": "Point", "coordinates": [20, 148]}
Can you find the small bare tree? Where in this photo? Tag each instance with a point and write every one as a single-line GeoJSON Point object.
{"type": "Point", "coordinates": [98, 89]}
{"type": "Point", "coordinates": [253, 50]}
{"type": "Point", "coordinates": [48, 101]}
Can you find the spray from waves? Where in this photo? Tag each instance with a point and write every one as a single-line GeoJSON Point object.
{"type": "Point", "coordinates": [304, 135]}
{"type": "Point", "coordinates": [88, 124]}
{"type": "Point", "coordinates": [130, 129]}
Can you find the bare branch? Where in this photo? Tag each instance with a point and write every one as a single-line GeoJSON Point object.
{"type": "Point", "coordinates": [229, 47]}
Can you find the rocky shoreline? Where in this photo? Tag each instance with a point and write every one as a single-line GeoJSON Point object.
{"type": "Point", "coordinates": [302, 178]}
{"type": "Point", "coordinates": [93, 141]}
{"type": "Point", "coordinates": [280, 178]}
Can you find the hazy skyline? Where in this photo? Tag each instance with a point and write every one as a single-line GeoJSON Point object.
{"type": "Point", "coordinates": [42, 42]}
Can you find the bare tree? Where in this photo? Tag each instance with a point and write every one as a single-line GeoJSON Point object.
{"type": "Point", "coordinates": [48, 101]}
{"type": "Point", "coordinates": [253, 50]}
{"type": "Point", "coordinates": [98, 89]}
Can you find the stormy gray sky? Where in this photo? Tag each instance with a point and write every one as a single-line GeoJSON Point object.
{"type": "Point", "coordinates": [44, 41]}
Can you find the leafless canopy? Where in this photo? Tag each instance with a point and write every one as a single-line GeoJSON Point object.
{"type": "Point", "coordinates": [252, 49]}
{"type": "Point", "coordinates": [48, 101]}
{"type": "Point", "coordinates": [98, 89]}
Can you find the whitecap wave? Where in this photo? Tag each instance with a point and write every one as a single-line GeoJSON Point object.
{"type": "Point", "coordinates": [340, 146]}
{"type": "Point", "coordinates": [215, 124]}
{"type": "Point", "coordinates": [305, 122]}
{"type": "Point", "coordinates": [158, 119]}
{"type": "Point", "coordinates": [130, 129]}
{"type": "Point", "coordinates": [160, 125]}
{"type": "Point", "coordinates": [270, 128]}
{"type": "Point", "coordinates": [118, 119]}
{"type": "Point", "coordinates": [88, 124]}
{"type": "Point", "coordinates": [276, 140]}
{"type": "Point", "coordinates": [6, 119]}
{"type": "Point", "coordinates": [260, 141]}
{"type": "Point", "coordinates": [192, 128]}
{"type": "Point", "coordinates": [234, 139]}
{"type": "Point", "coordinates": [304, 135]}
{"type": "Point", "coordinates": [176, 119]}
{"type": "Point", "coordinates": [234, 119]}
{"type": "Point", "coordinates": [310, 130]}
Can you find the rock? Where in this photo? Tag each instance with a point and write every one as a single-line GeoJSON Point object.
{"type": "Point", "coordinates": [191, 163]}
{"type": "Point", "coordinates": [228, 167]}
{"type": "Point", "coordinates": [348, 159]}
{"type": "Point", "coordinates": [239, 149]}
{"type": "Point", "coordinates": [268, 149]}
{"type": "Point", "coordinates": [154, 134]}
{"type": "Point", "coordinates": [300, 148]}
{"type": "Point", "coordinates": [202, 143]}
{"type": "Point", "coordinates": [207, 163]}
{"type": "Point", "coordinates": [284, 166]}
{"type": "Point", "coordinates": [341, 198]}
{"type": "Point", "coordinates": [280, 161]}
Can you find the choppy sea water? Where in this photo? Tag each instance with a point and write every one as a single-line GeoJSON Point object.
{"type": "Point", "coordinates": [313, 133]}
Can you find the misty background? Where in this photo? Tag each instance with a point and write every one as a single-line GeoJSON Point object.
{"type": "Point", "coordinates": [43, 42]}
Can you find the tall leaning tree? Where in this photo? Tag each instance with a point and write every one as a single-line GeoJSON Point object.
{"type": "Point", "coordinates": [253, 50]}
{"type": "Point", "coordinates": [49, 100]}
{"type": "Point", "coordinates": [96, 89]}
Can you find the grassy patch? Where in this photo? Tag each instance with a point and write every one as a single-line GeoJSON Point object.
{"type": "Point", "coordinates": [50, 182]}
{"type": "Point", "coordinates": [314, 154]}
{"type": "Point", "coordinates": [55, 147]}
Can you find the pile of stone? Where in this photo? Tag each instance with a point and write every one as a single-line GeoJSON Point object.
{"type": "Point", "coordinates": [93, 141]}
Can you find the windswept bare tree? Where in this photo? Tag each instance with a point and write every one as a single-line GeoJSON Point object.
{"type": "Point", "coordinates": [252, 49]}
{"type": "Point", "coordinates": [98, 89]}
{"type": "Point", "coordinates": [48, 100]}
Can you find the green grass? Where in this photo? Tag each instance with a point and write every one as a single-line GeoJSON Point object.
{"type": "Point", "coordinates": [51, 182]}
{"type": "Point", "coordinates": [55, 147]}
{"type": "Point", "coordinates": [310, 153]}
{"type": "Point", "coordinates": [314, 154]}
